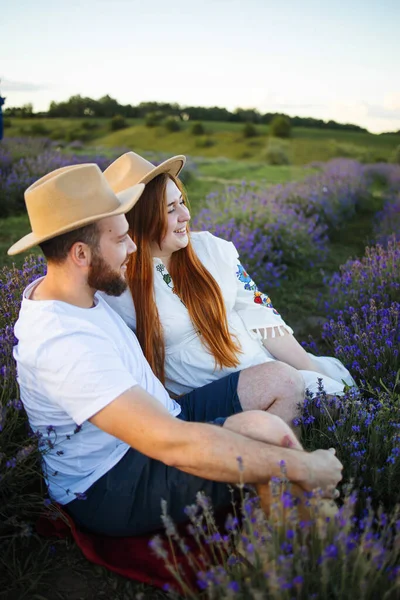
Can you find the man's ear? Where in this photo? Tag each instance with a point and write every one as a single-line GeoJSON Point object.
{"type": "Point", "coordinates": [81, 254]}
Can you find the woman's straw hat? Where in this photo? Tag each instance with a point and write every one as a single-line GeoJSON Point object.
{"type": "Point", "coordinates": [130, 169]}
{"type": "Point", "coordinates": [69, 198]}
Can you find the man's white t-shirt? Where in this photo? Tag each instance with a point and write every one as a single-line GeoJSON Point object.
{"type": "Point", "coordinates": [71, 363]}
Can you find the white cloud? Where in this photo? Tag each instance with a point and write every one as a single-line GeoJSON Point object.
{"type": "Point", "coordinates": [381, 112]}
{"type": "Point", "coordinates": [344, 112]}
{"type": "Point", "coordinates": [392, 101]}
{"type": "Point", "coordinates": [376, 118]}
{"type": "Point", "coordinates": [7, 85]}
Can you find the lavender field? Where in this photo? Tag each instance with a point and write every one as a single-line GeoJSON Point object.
{"type": "Point", "coordinates": [294, 239]}
{"type": "Point", "coordinates": [23, 160]}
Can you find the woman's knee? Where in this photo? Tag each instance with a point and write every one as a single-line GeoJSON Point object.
{"type": "Point", "coordinates": [281, 380]}
{"type": "Point", "coordinates": [291, 382]}
{"type": "Point", "coordinates": [269, 385]}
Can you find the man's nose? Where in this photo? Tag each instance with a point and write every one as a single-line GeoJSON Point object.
{"type": "Point", "coordinates": [131, 246]}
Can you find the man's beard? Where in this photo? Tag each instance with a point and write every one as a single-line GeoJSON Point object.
{"type": "Point", "coordinates": [101, 277]}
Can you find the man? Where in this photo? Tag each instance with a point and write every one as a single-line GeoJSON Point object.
{"type": "Point", "coordinates": [116, 443]}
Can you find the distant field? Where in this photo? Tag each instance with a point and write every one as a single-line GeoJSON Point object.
{"type": "Point", "coordinates": [219, 140]}
{"type": "Point", "coordinates": [211, 176]}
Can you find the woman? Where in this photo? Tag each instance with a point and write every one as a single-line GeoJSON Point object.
{"type": "Point", "coordinates": [196, 312]}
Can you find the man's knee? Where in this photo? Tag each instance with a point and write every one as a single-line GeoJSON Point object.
{"type": "Point", "coordinates": [273, 428]}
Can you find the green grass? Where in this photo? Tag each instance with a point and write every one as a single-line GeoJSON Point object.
{"type": "Point", "coordinates": [11, 230]}
{"type": "Point", "coordinates": [229, 142]}
{"type": "Point", "coordinates": [142, 138]}
{"type": "Point", "coordinates": [355, 137]}
{"type": "Point", "coordinates": [220, 140]}
{"type": "Point", "coordinates": [60, 128]}
{"type": "Point", "coordinates": [300, 298]}
{"type": "Point", "coordinates": [236, 171]}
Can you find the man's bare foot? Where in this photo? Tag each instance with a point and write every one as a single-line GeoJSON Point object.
{"type": "Point", "coordinates": [279, 500]}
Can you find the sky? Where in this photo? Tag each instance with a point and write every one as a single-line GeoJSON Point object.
{"type": "Point", "coordinates": [329, 60]}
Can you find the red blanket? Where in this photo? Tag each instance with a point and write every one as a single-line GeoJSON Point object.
{"type": "Point", "coordinates": [129, 556]}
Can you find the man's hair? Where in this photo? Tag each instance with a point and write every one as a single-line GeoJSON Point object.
{"type": "Point", "coordinates": [56, 250]}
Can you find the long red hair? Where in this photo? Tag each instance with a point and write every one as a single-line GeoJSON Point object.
{"type": "Point", "coordinates": [193, 284]}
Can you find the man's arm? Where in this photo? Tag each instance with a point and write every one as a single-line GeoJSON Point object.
{"type": "Point", "coordinates": [207, 451]}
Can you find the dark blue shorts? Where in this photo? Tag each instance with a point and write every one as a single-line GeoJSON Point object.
{"type": "Point", "coordinates": [127, 500]}
{"type": "Point", "coordinates": [212, 403]}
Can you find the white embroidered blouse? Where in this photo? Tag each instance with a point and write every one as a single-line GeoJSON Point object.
{"type": "Point", "coordinates": [250, 314]}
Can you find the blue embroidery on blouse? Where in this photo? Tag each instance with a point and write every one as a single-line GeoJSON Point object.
{"type": "Point", "coordinates": [259, 297]}
{"type": "Point", "coordinates": [245, 278]}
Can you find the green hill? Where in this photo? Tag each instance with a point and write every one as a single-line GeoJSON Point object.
{"type": "Point", "coordinates": [221, 139]}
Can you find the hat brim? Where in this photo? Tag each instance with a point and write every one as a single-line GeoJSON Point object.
{"type": "Point", "coordinates": [172, 166]}
{"type": "Point", "coordinates": [127, 198]}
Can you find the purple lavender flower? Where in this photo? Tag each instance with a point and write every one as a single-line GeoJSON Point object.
{"type": "Point", "coordinates": [157, 546]}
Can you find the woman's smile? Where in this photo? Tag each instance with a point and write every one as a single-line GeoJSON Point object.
{"type": "Point", "coordinates": [181, 231]}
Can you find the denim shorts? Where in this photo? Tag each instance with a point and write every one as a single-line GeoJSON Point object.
{"type": "Point", "coordinates": [127, 499]}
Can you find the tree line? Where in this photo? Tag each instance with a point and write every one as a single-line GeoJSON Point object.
{"type": "Point", "coordinates": [79, 106]}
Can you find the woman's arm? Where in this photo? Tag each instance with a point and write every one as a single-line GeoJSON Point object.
{"type": "Point", "coordinates": [260, 316]}
{"type": "Point", "coordinates": [284, 347]}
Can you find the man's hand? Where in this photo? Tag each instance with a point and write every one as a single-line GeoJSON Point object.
{"type": "Point", "coordinates": [324, 472]}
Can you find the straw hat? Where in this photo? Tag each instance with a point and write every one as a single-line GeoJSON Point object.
{"type": "Point", "coordinates": [69, 198]}
{"type": "Point", "coordinates": [130, 168]}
